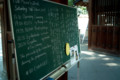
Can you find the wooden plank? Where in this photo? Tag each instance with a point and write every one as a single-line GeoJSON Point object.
{"type": "Point", "coordinates": [109, 41]}
{"type": "Point", "coordinates": [90, 23]}
{"type": "Point", "coordinates": [94, 36]}
{"type": "Point", "coordinates": [103, 36]}
{"type": "Point", "coordinates": [98, 36]}
{"type": "Point", "coordinates": [116, 38]}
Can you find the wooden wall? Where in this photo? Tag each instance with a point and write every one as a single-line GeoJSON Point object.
{"type": "Point", "coordinates": [104, 25]}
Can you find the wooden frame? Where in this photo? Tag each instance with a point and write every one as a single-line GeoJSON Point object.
{"type": "Point", "coordinates": [6, 45]}
{"type": "Point", "coordinates": [90, 23]}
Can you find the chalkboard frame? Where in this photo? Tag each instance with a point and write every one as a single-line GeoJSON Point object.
{"type": "Point", "coordinates": [11, 24]}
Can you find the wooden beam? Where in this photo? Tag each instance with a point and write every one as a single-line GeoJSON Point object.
{"type": "Point", "coordinates": [90, 23]}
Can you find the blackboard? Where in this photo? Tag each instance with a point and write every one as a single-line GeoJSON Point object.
{"type": "Point", "coordinates": [40, 30]}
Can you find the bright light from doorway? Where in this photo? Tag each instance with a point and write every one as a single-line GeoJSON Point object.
{"type": "Point", "coordinates": [90, 58]}
{"type": "Point", "coordinates": [112, 64]}
{"type": "Point", "coordinates": [1, 55]}
{"type": "Point", "coordinates": [87, 52]}
{"type": "Point", "coordinates": [107, 59]}
{"type": "Point", "coordinates": [101, 55]}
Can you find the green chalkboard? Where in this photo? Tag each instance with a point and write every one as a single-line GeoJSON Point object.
{"type": "Point", "coordinates": [40, 30]}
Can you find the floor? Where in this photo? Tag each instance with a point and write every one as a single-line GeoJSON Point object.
{"type": "Point", "coordinates": [3, 75]}
{"type": "Point", "coordinates": [95, 66]}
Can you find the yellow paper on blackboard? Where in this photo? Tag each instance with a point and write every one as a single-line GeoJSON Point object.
{"type": "Point", "coordinates": [67, 49]}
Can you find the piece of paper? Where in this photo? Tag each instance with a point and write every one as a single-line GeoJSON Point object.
{"type": "Point", "coordinates": [74, 55]}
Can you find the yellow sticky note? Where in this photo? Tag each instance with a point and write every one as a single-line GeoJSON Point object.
{"type": "Point", "coordinates": [67, 49]}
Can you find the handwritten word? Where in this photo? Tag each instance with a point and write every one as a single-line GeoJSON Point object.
{"type": "Point", "coordinates": [21, 8]}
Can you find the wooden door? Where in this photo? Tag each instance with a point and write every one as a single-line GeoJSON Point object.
{"type": "Point", "coordinates": [116, 38]}
{"type": "Point", "coordinates": [103, 37]}
{"type": "Point", "coordinates": [109, 42]}
{"type": "Point", "coordinates": [94, 36]}
{"type": "Point", "coordinates": [98, 36]}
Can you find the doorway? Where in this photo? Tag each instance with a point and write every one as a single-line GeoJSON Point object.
{"type": "Point", "coordinates": [1, 53]}
{"type": "Point", "coordinates": [83, 23]}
